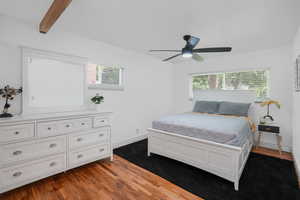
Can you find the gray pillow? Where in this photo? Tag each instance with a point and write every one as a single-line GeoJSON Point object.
{"type": "Point", "coordinates": [231, 108]}
{"type": "Point", "coordinates": [206, 107]}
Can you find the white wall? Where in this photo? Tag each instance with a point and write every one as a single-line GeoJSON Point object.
{"type": "Point", "coordinates": [296, 103]}
{"type": "Point", "coordinates": [148, 82]}
{"type": "Point", "coordinates": [277, 60]}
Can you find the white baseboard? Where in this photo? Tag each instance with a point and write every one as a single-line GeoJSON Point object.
{"type": "Point", "coordinates": [274, 146]}
{"type": "Point", "coordinates": [129, 141]}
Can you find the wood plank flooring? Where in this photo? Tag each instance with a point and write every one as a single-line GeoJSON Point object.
{"type": "Point", "coordinates": [102, 180]}
{"type": "Point", "coordinates": [105, 180]}
{"type": "Point", "coordinates": [273, 153]}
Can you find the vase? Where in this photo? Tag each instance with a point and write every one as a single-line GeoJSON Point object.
{"type": "Point", "coordinates": [99, 107]}
{"type": "Point", "coordinates": [5, 111]}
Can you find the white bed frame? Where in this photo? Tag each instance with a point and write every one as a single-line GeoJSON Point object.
{"type": "Point", "coordinates": [223, 160]}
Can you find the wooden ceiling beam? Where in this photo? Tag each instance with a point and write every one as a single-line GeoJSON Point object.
{"type": "Point", "coordinates": [56, 9]}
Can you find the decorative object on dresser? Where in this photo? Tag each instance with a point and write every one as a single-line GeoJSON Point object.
{"type": "Point", "coordinates": [36, 146]}
{"type": "Point", "coordinates": [270, 128]}
{"type": "Point", "coordinates": [297, 74]}
{"type": "Point", "coordinates": [8, 93]}
{"type": "Point", "coordinates": [97, 100]}
{"type": "Point", "coordinates": [268, 116]}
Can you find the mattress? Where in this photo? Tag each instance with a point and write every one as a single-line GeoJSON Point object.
{"type": "Point", "coordinates": [217, 128]}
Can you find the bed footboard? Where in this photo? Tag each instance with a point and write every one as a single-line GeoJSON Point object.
{"type": "Point", "coordinates": [223, 160]}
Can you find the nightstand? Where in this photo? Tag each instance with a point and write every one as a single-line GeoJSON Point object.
{"type": "Point", "coordinates": [270, 128]}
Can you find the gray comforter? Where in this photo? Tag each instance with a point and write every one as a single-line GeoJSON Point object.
{"type": "Point", "coordinates": [217, 128]}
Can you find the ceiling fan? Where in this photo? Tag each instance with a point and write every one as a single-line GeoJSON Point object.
{"type": "Point", "coordinates": [188, 50]}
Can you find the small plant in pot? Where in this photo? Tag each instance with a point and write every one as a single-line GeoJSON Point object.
{"type": "Point", "coordinates": [8, 93]}
{"type": "Point", "coordinates": [97, 100]}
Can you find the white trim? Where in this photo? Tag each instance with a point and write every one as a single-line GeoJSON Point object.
{"type": "Point", "coordinates": [229, 71]}
{"type": "Point", "coordinates": [106, 87]}
{"type": "Point", "coordinates": [297, 74]}
{"type": "Point", "coordinates": [29, 52]}
{"type": "Point", "coordinates": [129, 141]}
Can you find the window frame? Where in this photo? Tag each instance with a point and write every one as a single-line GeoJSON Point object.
{"type": "Point", "coordinates": [258, 100]}
{"type": "Point", "coordinates": [104, 86]}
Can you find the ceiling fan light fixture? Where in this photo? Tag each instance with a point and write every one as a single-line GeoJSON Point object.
{"type": "Point", "coordinates": [186, 53]}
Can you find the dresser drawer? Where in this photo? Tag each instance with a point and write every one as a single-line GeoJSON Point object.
{"type": "Point", "coordinates": [29, 150]}
{"type": "Point", "coordinates": [266, 128]}
{"type": "Point", "coordinates": [99, 135]}
{"type": "Point", "coordinates": [101, 121]}
{"type": "Point", "coordinates": [25, 173]}
{"type": "Point", "coordinates": [16, 132]}
{"type": "Point", "coordinates": [88, 154]}
{"type": "Point", "coordinates": [46, 129]}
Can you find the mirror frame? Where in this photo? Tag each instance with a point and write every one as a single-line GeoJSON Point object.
{"type": "Point", "coordinates": [29, 52]}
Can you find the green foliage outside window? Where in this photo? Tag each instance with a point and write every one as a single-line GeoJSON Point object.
{"type": "Point", "coordinates": [108, 75]}
{"type": "Point", "coordinates": [250, 80]}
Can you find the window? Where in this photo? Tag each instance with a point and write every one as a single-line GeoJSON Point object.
{"type": "Point", "coordinates": [248, 80]}
{"type": "Point", "coordinates": [104, 77]}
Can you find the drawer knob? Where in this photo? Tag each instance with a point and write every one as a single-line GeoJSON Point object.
{"type": "Point", "coordinates": [102, 120]}
{"type": "Point", "coordinates": [49, 128]}
{"type": "Point", "coordinates": [79, 139]}
{"type": "Point", "coordinates": [68, 125]}
{"type": "Point", "coordinates": [52, 145]}
{"type": "Point", "coordinates": [101, 135]}
{"type": "Point", "coordinates": [16, 153]}
{"type": "Point", "coordinates": [101, 150]}
{"type": "Point", "coordinates": [79, 156]}
{"type": "Point", "coordinates": [17, 174]}
{"type": "Point", "coordinates": [52, 164]}
{"type": "Point", "coordinates": [17, 133]}
{"type": "Point", "coordinates": [82, 124]}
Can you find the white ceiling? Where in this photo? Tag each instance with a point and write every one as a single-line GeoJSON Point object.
{"type": "Point", "coordinates": [141, 25]}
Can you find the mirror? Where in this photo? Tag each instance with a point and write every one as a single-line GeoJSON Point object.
{"type": "Point", "coordinates": [53, 82]}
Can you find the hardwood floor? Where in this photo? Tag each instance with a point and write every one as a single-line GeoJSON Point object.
{"type": "Point", "coordinates": [102, 180]}
{"type": "Point", "coordinates": [105, 180]}
{"type": "Point", "coordinates": [273, 153]}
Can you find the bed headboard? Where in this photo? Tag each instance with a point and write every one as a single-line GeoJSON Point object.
{"type": "Point", "coordinates": [242, 96]}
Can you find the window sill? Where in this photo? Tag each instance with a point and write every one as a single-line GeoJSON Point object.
{"type": "Point", "coordinates": [256, 101]}
{"type": "Point", "coordinates": [106, 87]}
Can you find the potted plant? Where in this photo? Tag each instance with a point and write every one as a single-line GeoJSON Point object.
{"type": "Point", "coordinates": [8, 93]}
{"type": "Point", "coordinates": [97, 100]}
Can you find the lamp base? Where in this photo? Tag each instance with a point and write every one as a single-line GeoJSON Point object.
{"type": "Point", "coordinates": [268, 117]}
{"type": "Point", "coordinates": [5, 115]}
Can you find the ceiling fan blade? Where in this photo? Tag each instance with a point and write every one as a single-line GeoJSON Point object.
{"type": "Point", "coordinates": [171, 57]}
{"type": "Point", "coordinates": [212, 50]}
{"type": "Point", "coordinates": [165, 50]}
{"type": "Point", "coordinates": [197, 57]}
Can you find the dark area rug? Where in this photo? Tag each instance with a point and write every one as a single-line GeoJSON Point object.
{"type": "Point", "coordinates": [264, 178]}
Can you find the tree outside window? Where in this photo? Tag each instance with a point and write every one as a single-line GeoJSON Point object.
{"type": "Point", "coordinates": [250, 80]}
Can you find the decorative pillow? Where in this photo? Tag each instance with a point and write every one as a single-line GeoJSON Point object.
{"type": "Point", "coordinates": [231, 108]}
{"type": "Point", "coordinates": [206, 107]}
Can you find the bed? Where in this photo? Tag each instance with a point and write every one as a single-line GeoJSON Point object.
{"type": "Point", "coordinates": [219, 144]}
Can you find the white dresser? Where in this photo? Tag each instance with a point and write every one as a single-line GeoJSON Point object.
{"type": "Point", "coordinates": [37, 146]}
